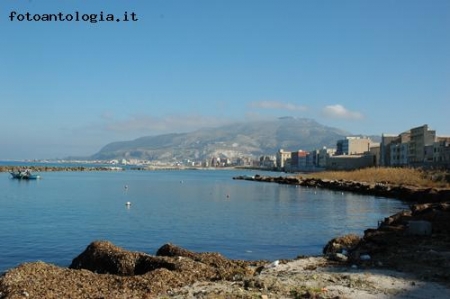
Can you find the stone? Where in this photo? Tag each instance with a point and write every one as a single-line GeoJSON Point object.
{"type": "Point", "coordinates": [343, 243]}
{"type": "Point", "coordinates": [419, 228]}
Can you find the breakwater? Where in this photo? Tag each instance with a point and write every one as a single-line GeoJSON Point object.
{"type": "Point", "coordinates": [60, 168]}
{"type": "Point", "coordinates": [402, 192]}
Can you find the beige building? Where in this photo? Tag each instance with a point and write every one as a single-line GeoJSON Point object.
{"type": "Point", "coordinates": [420, 138]}
{"type": "Point", "coordinates": [281, 159]}
{"type": "Point", "coordinates": [353, 146]}
{"type": "Point", "coordinates": [418, 146]}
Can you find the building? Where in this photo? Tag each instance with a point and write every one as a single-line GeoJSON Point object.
{"type": "Point", "coordinates": [352, 146]}
{"type": "Point", "coordinates": [268, 162]}
{"type": "Point", "coordinates": [348, 162]}
{"type": "Point", "coordinates": [419, 147]}
{"type": "Point", "coordinates": [281, 159]}
{"type": "Point", "coordinates": [421, 137]}
{"type": "Point", "coordinates": [323, 155]}
{"type": "Point", "coordinates": [375, 152]}
{"type": "Point", "coordinates": [299, 160]}
{"type": "Point", "coordinates": [398, 154]}
{"type": "Point", "coordinates": [385, 148]}
{"type": "Point", "coordinates": [441, 151]}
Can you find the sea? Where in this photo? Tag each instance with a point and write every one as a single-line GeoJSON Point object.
{"type": "Point", "coordinates": [55, 218]}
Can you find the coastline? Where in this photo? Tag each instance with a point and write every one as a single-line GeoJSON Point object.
{"type": "Point", "coordinates": [400, 264]}
{"type": "Point", "coordinates": [411, 194]}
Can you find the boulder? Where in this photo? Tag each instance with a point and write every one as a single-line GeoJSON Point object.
{"type": "Point", "coordinates": [419, 228]}
{"type": "Point", "coordinates": [339, 244]}
{"type": "Point", "coordinates": [104, 257]}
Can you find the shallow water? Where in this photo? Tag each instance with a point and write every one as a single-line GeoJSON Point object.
{"type": "Point", "coordinates": [55, 218]}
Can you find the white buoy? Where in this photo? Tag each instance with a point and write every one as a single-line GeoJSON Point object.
{"type": "Point", "coordinates": [128, 203]}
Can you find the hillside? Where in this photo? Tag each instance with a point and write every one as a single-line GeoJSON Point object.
{"type": "Point", "coordinates": [234, 140]}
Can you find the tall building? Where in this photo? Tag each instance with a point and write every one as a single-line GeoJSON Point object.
{"type": "Point", "coordinates": [421, 137]}
{"type": "Point", "coordinates": [299, 160]}
{"type": "Point", "coordinates": [281, 158]}
{"type": "Point", "coordinates": [385, 148]}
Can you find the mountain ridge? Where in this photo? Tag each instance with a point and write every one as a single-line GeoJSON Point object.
{"type": "Point", "coordinates": [240, 139]}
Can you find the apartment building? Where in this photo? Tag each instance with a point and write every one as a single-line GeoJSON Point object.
{"type": "Point", "coordinates": [300, 160]}
{"type": "Point", "coordinates": [398, 154]}
{"type": "Point", "coordinates": [385, 148]}
{"type": "Point", "coordinates": [282, 158]}
{"type": "Point", "coordinates": [441, 151]}
{"type": "Point", "coordinates": [418, 147]}
{"type": "Point", "coordinates": [420, 138]}
{"type": "Point", "coordinates": [352, 146]}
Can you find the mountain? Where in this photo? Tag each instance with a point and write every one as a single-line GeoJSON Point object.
{"type": "Point", "coordinates": [235, 140]}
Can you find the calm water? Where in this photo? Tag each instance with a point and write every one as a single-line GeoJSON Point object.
{"type": "Point", "coordinates": [55, 218]}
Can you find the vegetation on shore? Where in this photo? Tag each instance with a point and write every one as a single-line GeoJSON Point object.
{"type": "Point", "coordinates": [390, 175]}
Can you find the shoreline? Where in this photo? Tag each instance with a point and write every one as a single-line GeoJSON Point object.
{"type": "Point", "coordinates": [411, 194]}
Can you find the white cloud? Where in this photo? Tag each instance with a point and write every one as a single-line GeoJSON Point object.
{"type": "Point", "coordinates": [339, 111]}
{"type": "Point", "coordinates": [277, 105]}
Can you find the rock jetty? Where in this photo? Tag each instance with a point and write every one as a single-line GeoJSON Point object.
{"type": "Point", "coordinates": [404, 193]}
{"type": "Point", "coordinates": [60, 168]}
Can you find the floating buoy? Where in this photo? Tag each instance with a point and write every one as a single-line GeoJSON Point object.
{"type": "Point", "coordinates": [128, 203]}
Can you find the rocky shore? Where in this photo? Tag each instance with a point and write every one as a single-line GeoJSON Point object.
{"type": "Point", "coordinates": [60, 168]}
{"type": "Point", "coordinates": [407, 256]}
{"type": "Point", "coordinates": [402, 192]}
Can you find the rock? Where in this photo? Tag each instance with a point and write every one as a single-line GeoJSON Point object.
{"type": "Point", "coordinates": [104, 257]}
{"type": "Point", "coordinates": [337, 245]}
{"type": "Point", "coordinates": [364, 257]}
{"type": "Point", "coordinates": [419, 228]}
{"type": "Point", "coordinates": [339, 257]}
{"type": "Point", "coordinates": [172, 250]}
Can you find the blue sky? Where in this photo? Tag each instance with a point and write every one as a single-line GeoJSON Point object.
{"type": "Point", "coordinates": [69, 88]}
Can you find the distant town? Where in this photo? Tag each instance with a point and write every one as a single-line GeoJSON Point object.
{"type": "Point", "coordinates": [416, 147]}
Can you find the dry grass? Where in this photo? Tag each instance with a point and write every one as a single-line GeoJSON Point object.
{"type": "Point", "coordinates": [397, 176]}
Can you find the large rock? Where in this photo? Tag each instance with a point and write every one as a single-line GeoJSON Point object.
{"type": "Point", "coordinates": [104, 257]}
{"type": "Point", "coordinates": [340, 244]}
{"type": "Point", "coordinates": [419, 228]}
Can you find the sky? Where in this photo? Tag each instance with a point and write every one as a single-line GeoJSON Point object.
{"type": "Point", "coordinates": [67, 88]}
